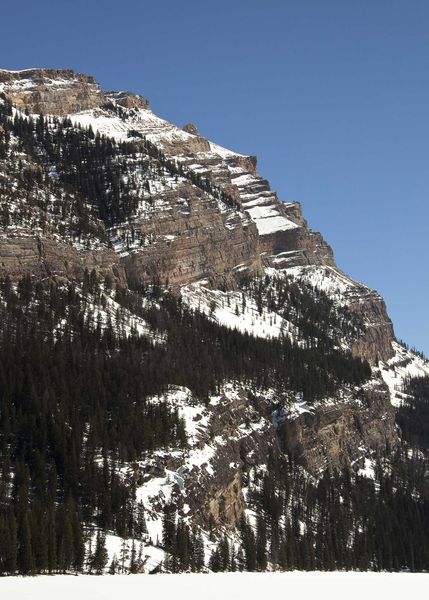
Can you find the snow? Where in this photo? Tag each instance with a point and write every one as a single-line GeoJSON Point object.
{"type": "Point", "coordinates": [223, 307]}
{"type": "Point", "coordinates": [194, 414]}
{"type": "Point", "coordinates": [104, 123]}
{"type": "Point", "coordinates": [243, 179]}
{"type": "Point", "coordinates": [402, 365]}
{"type": "Point", "coordinates": [299, 408]}
{"type": "Point", "coordinates": [142, 120]}
{"type": "Point", "coordinates": [21, 70]}
{"type": "Point", "coordinates": [269, 220]}
{"type": "Point", "coordinates": [223, 152]}
{"type": "Point", "coordinates": [122, 320]}
{"type": "Point", "coordinates": [327, 279]}
{"type": "Point", "coordinates": [151, 555]}
{"type": "Point", "coordinates": [368, 468]}
{"type": "Point", "coordinates": [251, 586]}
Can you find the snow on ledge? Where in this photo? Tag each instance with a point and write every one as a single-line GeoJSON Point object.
{"type": "Point", "coordinates": [268, 219]}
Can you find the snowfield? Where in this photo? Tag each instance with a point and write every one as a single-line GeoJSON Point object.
{"type": "Point", "coordinates": [248, 586]}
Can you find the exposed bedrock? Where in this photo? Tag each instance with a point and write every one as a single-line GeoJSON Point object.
{"type": "Point", "coordinates": [337, 435]}
{"type": "Point", "coordinates": [48, 257]}
{"type": "Point", "coordinates": [193, 242]}
{"type": "Point", "coordinates": [50, 91]}
{"type": "Point", "coordinates": [376, 342]}
{"type": "Point", "coordinates": [218, 496]}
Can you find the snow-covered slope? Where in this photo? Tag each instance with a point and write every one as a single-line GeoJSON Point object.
{"type": "Point", "coordinates": [236, 310]}
{"type": "Point", "coordinates": [403, 365]}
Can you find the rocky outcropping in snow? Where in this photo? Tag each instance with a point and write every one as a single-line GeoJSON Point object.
{"type": "Point", "coordinates": [44, 256]}
{"type": "Point", "coordinates": [183, 233]}
{"type": "Point", "coordinates": [201, 222]}
{"type": "Point", "coordinates": [339, 433]}
{"type": "Point", "coordinates": [50, 91]}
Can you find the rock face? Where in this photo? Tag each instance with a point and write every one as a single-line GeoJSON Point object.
{"type": "Point", "coordinates": [241, 436]}
{"type": "Point", "coordinates": [226, 507]}
{"type": "Point", "coordinates": [194, 240]}
{"type": "Point", "coordinates": [128, 100]}
{"type": "Point", "coordinates": [376, 342]}
{"type": "Point", "coordinates": [191, 128]}
{"type": "Point", "coordinates": [210, 221]}
{"type": "Point", "coordinates": [334, 436]}
{"type": "Point", "coordinates": [49, 91]}
{"type": "Point", "coordinates": [49, 257]}
{"type": "Point", "coordinates": [297, 246]}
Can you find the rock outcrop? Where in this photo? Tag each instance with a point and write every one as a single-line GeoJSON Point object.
{"type": "Point", "coordinates": [45, 257]}
{"type": "Point", "coordinates": [193, 240]}
{"type": "Point", "coordinates": [50, 91]}
{"type": "Point", "coordinates": [128, 100]}
{"type": "Point", "coordinates": [336, 436]}
{"type": "Point", "coordinates": [200, 220]}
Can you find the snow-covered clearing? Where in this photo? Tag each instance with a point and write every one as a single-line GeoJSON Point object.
{"type": "Point", "coordinates": [248, 586]}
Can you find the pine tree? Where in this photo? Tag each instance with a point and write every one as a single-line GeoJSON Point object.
{"type": "Point", "coordinates": [100, 556]}
{"type": "Point", "coordinates": [124, 556]}
{"type": "Point", "coordinates": [261, 544]}
{"type": "Point", "coordinates": [113, 565]}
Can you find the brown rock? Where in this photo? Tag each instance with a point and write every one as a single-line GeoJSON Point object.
{"type": "Point", "coordinates": [50, 91]}
{"type": "Point", "coordinates": [49, 257]}
{"type": "Point", "coordinates": [129, 100]}
{"type": "Point", "coordinates": [336, 436]}
{"type": "Point", "coordinates": [191, 128]}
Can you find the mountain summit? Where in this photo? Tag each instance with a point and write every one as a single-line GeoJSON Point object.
{"type": "Point", "coordinates": [188, 379]}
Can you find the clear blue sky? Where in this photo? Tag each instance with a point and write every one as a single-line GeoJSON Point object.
{"type": "Point", "coordinates": [332, 95]}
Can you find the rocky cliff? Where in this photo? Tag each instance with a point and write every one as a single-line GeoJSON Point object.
{"type": "Point", "coordinates": [49, 91]}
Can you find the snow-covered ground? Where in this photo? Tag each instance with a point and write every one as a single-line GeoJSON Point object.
{"type": "Point", "coordinates": [240, 586]}
{"type": "Point", "coordinates": [404, 364]}
{"type": "Point", "coordinates": [333, 282]}
{"type": "Point", "coordinates": [269, 220]}
{"type": "Point", "coordinates": [228, 309]}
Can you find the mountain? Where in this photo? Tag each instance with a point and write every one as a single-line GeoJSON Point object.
{"type": "Point", "coordinates": [188, 380]}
